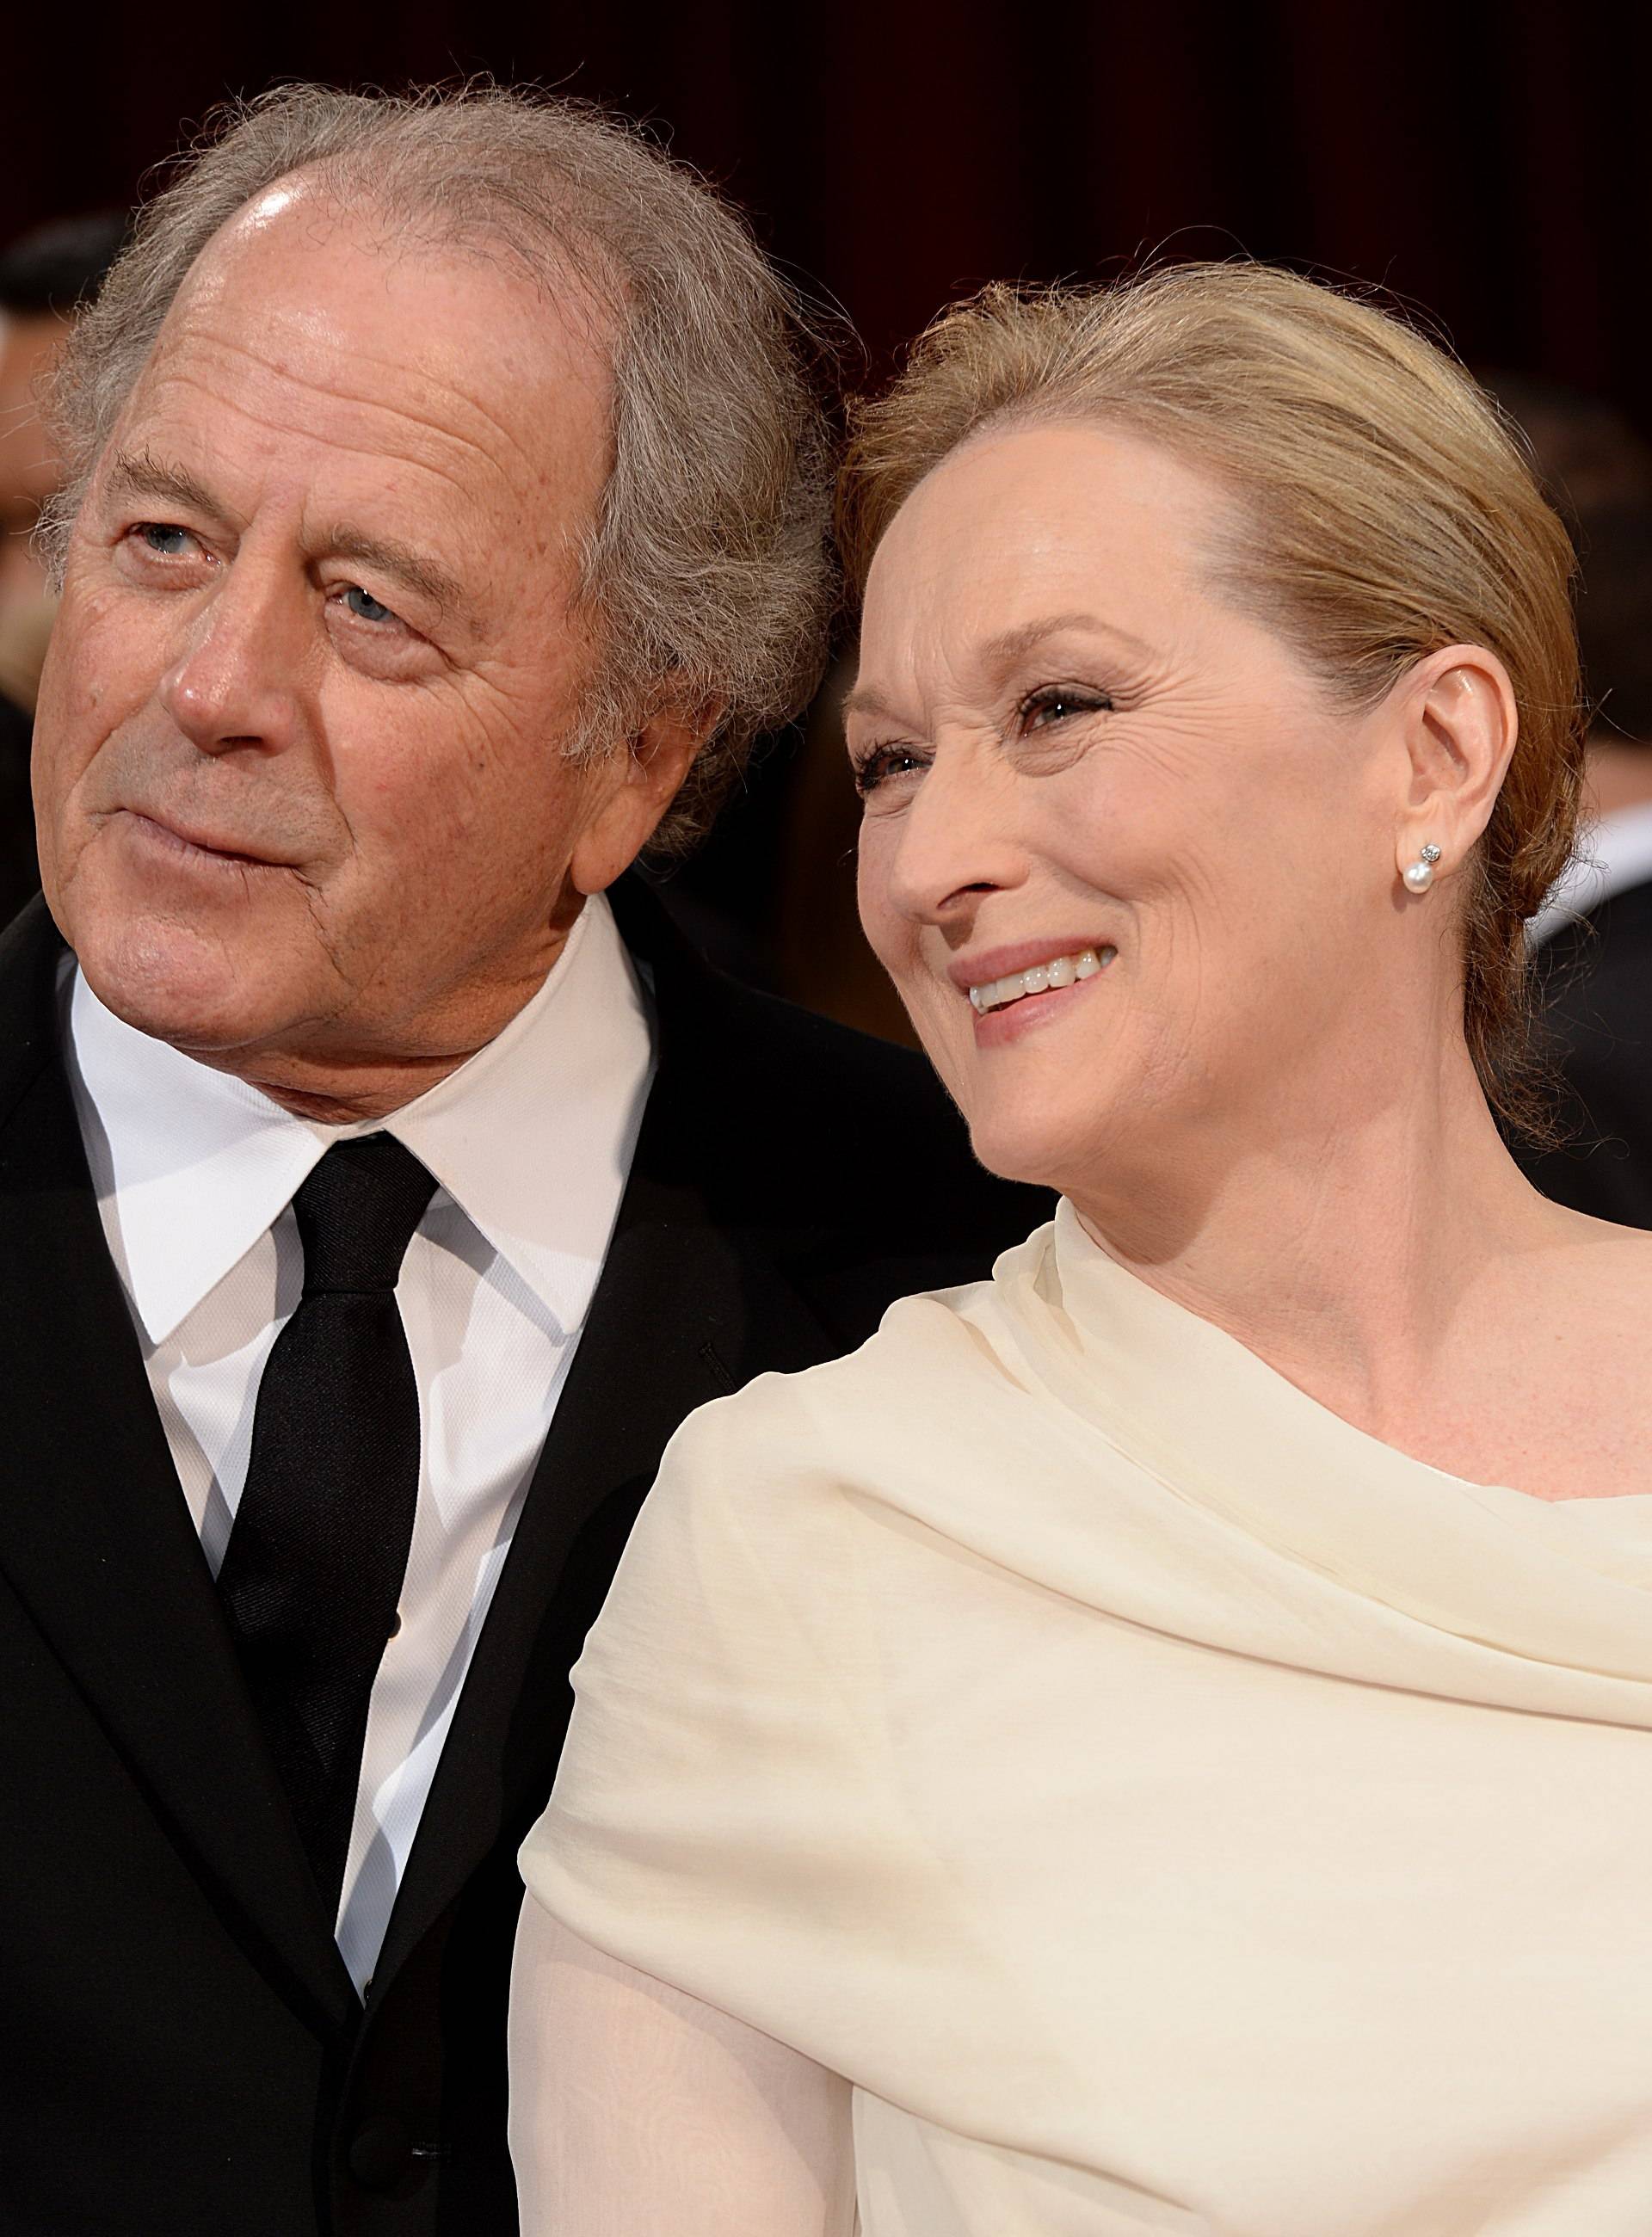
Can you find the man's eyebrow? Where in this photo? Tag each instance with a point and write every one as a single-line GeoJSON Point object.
{"type": "Point", "coordinates": [140, 473]}
{"type": "Point", "coordinates": [387, 555]}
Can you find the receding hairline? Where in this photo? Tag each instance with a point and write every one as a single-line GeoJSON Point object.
{"type": "Point", "coordinates": [392, 209]}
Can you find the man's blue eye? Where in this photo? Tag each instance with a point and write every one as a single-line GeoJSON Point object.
{"type": "Point", "coordinates": [364, 608]}
{"type": "Point", "coordinates": [166, 540]}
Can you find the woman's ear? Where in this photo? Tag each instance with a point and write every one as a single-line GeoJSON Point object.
{"type": "Point", "coordinates": [1458, 724]}
{"type": "Point", "coordinates": [634, 789]}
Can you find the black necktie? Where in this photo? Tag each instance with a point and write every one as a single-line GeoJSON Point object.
{"type": "Point", "coordinates": [314, 1568]}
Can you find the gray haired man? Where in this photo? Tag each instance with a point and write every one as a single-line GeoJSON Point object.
{"type": "Point", "coordinates": [378, 1189]}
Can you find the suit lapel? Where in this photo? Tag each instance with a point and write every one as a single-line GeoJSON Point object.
{"type": "Point", "coordinates": [689, 1307]}
{"type": "Point", "coordinates": [95, 1535]}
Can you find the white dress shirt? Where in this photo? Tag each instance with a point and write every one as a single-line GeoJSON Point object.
{"type": "Point", "coordinates": [530, 1142]}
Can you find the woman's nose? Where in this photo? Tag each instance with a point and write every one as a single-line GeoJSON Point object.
{"type": "Point", "coordinates": [236, 679]}
{"type": "Point", "coordinates": [955, 840]}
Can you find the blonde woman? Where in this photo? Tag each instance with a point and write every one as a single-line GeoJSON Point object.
{"type": "Point", "coordinates": [1162, 1740]}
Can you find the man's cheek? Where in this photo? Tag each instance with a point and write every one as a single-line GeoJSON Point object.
{"type": "Point", "coordinates": [107, 657]}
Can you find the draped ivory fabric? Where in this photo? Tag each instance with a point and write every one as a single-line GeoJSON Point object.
{"type": "Point", "coordinates": [1170, 1808]}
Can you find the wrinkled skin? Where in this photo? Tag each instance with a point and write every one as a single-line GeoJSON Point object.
{"type": "Point", "coordinates": [1165, 777]}
{"type": "Point", "coordinates": [1068, 734]}
{"type": "Point", "coordinates": [303, 804]}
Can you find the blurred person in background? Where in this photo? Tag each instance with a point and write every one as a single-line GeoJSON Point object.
{"type": "Point", "coordinates": [1593, 933]}
{"type": "Point", "coordinates": [44, 277]}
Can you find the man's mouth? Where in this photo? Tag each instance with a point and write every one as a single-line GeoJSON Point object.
{"type": "Point", "coordinates": [215, 845]}
{"type": "Point", "coordinates": [1060, 971]}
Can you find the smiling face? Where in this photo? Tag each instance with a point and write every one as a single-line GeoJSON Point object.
{"type": "Point", "coordinates": [1072, 753]}
{"type": "Point", "coordinates": [303, 805]}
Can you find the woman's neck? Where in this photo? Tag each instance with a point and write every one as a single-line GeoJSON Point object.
{"type": "Point", "coordinates": [1357, 1252]}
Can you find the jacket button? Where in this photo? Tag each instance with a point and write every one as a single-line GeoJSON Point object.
{"type": "Point", "coordinates": [381, 2153]}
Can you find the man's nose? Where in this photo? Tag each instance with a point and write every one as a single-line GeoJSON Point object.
{"type": "Point", "coordinates": [956, 841]}
{"type": "Point", "coordinates": [237, 678]}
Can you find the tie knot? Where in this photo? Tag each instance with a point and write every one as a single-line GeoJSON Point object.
{"type": "Point", "coordinates": [356, 1214]}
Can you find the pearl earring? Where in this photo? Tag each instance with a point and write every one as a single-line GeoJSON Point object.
{"type": "Point", "coordinates": [1419, 874]}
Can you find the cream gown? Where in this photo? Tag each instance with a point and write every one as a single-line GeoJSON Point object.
{"type": "Point", "coordinates": [1170, 1808]}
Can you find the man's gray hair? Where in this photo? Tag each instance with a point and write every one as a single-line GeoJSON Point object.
{"type": "Point", "coordinates": [706, 570]}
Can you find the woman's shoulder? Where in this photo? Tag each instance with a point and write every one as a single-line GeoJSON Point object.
{"type": "Point", "coordinates": [932, 1354]}
{"type": "Point", "coordinates": [751, 1584]}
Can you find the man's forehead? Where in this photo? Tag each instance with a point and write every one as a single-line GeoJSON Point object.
{"type": "Point", "coordinates": [327, 303]}
{"type": "Point", "coordinates": [360, 251]}
{"type": "Point", "coordinates": [418, 395]}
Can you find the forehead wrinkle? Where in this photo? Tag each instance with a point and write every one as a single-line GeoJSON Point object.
{"type": "Point", "coordinates": [141, 473]}
{"type": "Point", "coordinates": [431, 423]}
{"type": "Point", "coordinates": [337, 384]}
{"type": "Point", "coordinates": [421, 461]}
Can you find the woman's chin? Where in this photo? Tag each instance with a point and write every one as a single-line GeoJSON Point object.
{"type": "Point", "coordinates": [1035, 1146]}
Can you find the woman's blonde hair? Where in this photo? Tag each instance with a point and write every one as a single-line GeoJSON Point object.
{"type": "Point", "coordinates": [1385, 511]}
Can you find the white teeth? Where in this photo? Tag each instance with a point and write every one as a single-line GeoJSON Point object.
{"type": "Point", "coordinates": [1062, 972]}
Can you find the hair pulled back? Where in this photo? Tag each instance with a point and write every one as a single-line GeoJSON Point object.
{"type": "Point", "coordinates": [1384, 510]}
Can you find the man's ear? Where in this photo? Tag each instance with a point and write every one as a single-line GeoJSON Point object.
{"type": "Point", "coordinates": [632, 791]}
{"type": "Point", "coordinates": [1457, 723]}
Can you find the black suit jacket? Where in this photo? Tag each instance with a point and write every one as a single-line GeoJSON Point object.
{"type": "Point", "coordinates": [19, 867]}
{"type": "Point", "coordinates": [184, 2055]}
{"type": "Point", "coordinates": [1596, 977]}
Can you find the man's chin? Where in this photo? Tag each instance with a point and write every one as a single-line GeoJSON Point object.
{"type": "Point", "coordinates": [179, 982]}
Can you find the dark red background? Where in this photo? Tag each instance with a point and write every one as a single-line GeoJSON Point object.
{"type": "Point", "coordinates": [1488, 162]}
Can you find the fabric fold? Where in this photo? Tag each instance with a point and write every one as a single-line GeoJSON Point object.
{"type": "Point", "coordinates": [1167, 1806]}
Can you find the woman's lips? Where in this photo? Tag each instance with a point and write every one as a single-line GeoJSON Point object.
{"type": "Point", "coordinates": [1039, 978]}
{"type": "Point", "coordinates": [996, 1028]}
{"type": "Point", "coordinates": [982, 965]}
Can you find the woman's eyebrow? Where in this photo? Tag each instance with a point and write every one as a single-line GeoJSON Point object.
{"type": "Point", "coordinates": [1010, 644]}
{"type": "Point", "coordinates": [865, 700]}
{"type": "Point", "coordinates": [1003, 649]}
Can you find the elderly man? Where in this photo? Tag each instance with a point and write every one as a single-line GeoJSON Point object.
{"type": "Point", "coordinates": [375, 1198]}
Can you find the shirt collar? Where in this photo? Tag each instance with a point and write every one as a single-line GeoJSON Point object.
{"type": "Point", "coordinates": [532, 1136]}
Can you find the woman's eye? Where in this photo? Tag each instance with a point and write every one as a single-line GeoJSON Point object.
{"type": "Point", "coordinates": [365, 607]}
{"type": "Point", "coordinates": [1056, 703]}
{"type": "Point", "coordinates": [882, 763]}
{"type": "Point", "coordinates": [163, 539]}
